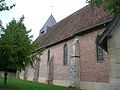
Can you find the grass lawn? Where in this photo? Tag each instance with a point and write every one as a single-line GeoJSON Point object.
{"type": "Point", "coordinates": [15, 84]}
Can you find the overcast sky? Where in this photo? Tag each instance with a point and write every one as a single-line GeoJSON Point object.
{"type": "Point", "coordinates": [36, 12]}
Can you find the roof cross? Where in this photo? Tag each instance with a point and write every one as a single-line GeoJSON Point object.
{"type": "Point", "coordinates": [51, 8]}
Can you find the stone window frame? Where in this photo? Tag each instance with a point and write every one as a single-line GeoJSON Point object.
{"type": "Point", "coordinates": [65, 54]}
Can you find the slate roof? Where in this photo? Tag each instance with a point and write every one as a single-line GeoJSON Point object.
{"type": "Point", "coordinates": [79, 21]}
{"type": "Point", "coordinates": [50, 22]}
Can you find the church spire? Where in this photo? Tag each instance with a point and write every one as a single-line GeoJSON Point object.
{"type": "Point", "coordinates": [49, 23]}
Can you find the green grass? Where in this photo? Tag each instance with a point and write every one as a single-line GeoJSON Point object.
{"type": "Point", "coordinates": [15, 84]}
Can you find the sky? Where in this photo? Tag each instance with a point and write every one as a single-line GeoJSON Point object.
{"type": "Point", "coordinates": [37, 12]}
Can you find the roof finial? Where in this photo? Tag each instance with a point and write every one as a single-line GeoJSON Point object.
{"type": "Point", "coordinates": [51, 6]}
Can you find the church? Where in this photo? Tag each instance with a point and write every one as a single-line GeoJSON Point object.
{"type": "Point", "coordinates": [82, 50]}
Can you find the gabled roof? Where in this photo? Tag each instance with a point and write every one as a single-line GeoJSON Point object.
{"type": "Point", "coordinates": [82, 20]}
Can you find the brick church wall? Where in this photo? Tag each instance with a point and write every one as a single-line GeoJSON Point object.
{"type": "Point", "coordinates": [61, 72]}
{"type": "Point", "coordinates": [91, 69]}
{"type": "Point", "coordinates": [43, 67]}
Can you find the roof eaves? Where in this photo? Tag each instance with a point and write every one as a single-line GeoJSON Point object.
{"type": "Point", "coordinates": [109, 29]}
{"type": "Point", "coordinates": [91, 27]}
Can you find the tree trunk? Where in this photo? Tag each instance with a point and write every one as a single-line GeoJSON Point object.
{"type": "Point", "coordinates": [5, 77]}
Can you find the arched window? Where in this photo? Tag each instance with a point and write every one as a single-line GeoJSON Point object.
{"type": "Point", "coordinates": [65, 54]}
{"type": "Point", "coordinates": [48, 55]}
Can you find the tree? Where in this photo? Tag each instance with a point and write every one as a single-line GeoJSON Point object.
{"type": "Point", "coordinates": [112, 5]}
{"type": "Point", "coordinates": [16, 48]}
{"type": "Point", "coordinates": [4, 6]}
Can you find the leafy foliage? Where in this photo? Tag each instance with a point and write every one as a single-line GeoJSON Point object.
{"type": "Point", "coordinates": [112, 5]}
{"type": "Point", "coordinates": [4, 7]}
{"type": "Point", "coordinates": [16, 48]}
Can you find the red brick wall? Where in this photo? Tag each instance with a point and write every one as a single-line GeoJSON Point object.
{"type": "Point", "coordinates": [43, 65]}
{"type": "Point", "coordinates": [61, 72]}
{"type": "Point", "coordinates": [91, 69]}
